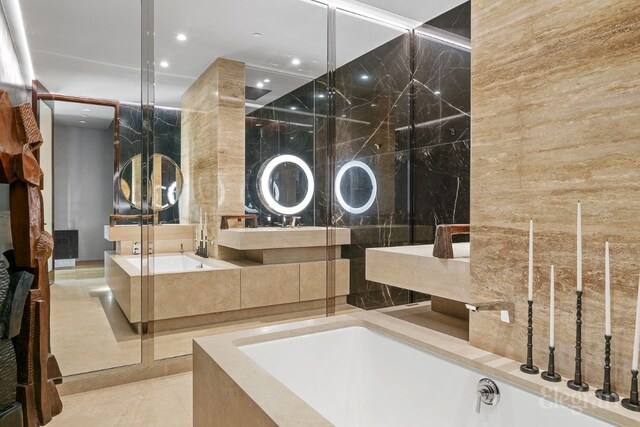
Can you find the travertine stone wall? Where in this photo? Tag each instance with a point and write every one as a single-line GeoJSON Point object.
{"type": "Point", "coordinates": [556, 119]}
{"type": "Point", "coordinates": [213, 145]}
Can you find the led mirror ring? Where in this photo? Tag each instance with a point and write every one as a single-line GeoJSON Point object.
{"type": "Point", "coordinates": [374, 187]}
{"type": "Point", "coordinates": [264, 177]}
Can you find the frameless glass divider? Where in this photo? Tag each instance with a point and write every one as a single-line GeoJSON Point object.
{"type": "Point", "coordinates": [148, 218]}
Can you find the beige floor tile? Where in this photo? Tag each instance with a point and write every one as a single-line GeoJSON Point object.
{"type": "Point", "coordinates": [158, 402]}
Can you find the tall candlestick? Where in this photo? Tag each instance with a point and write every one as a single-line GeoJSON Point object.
{"type": "Point", "coordinates": [552, 309]}
{"type": "Point", "coordinates": [530, 282]}
{"type": "Point", "coordinates": [636, 338]}
{"type": "Point", "coordinates": [579, 241]}
{"type": "Point", "coordinates": [607, 291]}
{"type": "Point", "coordinates": [633, 402]}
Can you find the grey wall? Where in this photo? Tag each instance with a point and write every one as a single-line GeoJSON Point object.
{"type": "Point", "coordinates": [83, 186]}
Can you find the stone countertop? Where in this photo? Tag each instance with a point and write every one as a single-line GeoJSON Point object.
{"type": "Point", "coordinates": [415, 268]}
{"type": "Point", "coordinates": [285, 408]}
{"type": "Point", "coordinates": [280, 238]}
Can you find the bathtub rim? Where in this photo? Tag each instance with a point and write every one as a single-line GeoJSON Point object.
{"type": "Point", "coordinates": [133, 271]}
{"type": "Point", "coordinates": [276, 400]}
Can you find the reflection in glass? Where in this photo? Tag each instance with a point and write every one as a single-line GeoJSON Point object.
{"type": "Point", "coordinates": [165, 184]}
{"type": "Point", "coordinates": [356, 187]}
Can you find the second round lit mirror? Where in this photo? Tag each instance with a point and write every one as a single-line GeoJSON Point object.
{"type": "Point", "coordinates": [165, 183]}
{"type": "Point", "coordinates": [356, 187]}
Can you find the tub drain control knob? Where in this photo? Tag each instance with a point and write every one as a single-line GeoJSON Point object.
{"type": "Point", "coordinates": [487, 393]}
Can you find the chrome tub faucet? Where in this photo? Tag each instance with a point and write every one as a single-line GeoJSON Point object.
{"type": "Point", "coordinates": [505, 308]}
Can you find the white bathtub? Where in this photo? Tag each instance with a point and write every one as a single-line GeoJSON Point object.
{"type": "Point", "coordinates": [354, 376]}
{"type": "Point", "coordinates": [170, 264]}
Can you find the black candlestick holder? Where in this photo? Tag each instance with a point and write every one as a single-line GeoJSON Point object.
{"type": "Point", "coordinates": [632, 402]}
{"type": "Point", "coordinates": [576, 383]}
{"type": "Point", "coordinates": [529, 367]}
{"type": "Point", "coordinates": [550, 374]}
{"type": "Point", "coordinates": [605, 392]}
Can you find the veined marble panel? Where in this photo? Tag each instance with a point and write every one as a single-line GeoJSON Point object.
{"type": "Point", "coordinates": [555, 110]}
{"type": "Point", "coordinates": [213, 144]}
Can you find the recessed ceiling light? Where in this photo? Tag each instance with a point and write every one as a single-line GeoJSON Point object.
{"type": "Point", "coordinates": [295, 61]}
{"type": "Point", "coordinates": [344, 115]}
{"type": "Point", "coordinates": [257, 34]}
{"type": "Point", "coordinates": [293, 108]}
{"type": "Point", "coordinates": [437, 92]}
{"type": "Point", "coordinates": [164, 64]}
{"type": "Point", "coordinates": [259, 84]}
{"type": "Point", "coordinates": [258, 124]}
{"type": "Point", "coordinates": [321, 95]}
{"type": "Point", "coordinates": [85, 115]}
{"type": "Point", "coordinates": [181, 37]}
{"type": "Point", "coordinates": [364, 77]}
{"type": "Point", "coordinates": [86, 109]}
{"type": "Point", "coordinates": [266, 80]}
{"type": "Point", "coordinates": [83, 121]}
{"type": "Point", "coordinates": [374, 105]}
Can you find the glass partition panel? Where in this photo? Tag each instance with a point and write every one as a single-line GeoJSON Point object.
{"type": "Point", "coordinates": [87, 88]}
{"type": "Point", "coordinates": [237, 110]}
{"type": "Point", "coordinates": [372, 162]}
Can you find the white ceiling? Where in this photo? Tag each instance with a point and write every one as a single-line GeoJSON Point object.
{"type": "Point", "coordinates": [91, 48]}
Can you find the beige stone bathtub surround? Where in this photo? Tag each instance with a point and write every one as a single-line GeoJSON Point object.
{"type": "Point", "coordinates": [221, 371]}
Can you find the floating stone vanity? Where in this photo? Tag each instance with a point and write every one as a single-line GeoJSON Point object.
{"type": "Point", "coordinates": [416, 269]}
{"type": "Point", "coordinates": [280, 269]}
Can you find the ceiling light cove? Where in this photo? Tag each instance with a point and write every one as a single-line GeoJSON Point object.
{"type": "Point", "coordinates": [164, 64]}
{"type": "Point", "coordinates": [181, 37]}
{"type": "Point", "coordinates": [295, 61]}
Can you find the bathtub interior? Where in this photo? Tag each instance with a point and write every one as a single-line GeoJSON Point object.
{"type": "Point", "coordinates": [355, 376]}
{"type": "Point", "coordinates": [170, 264]}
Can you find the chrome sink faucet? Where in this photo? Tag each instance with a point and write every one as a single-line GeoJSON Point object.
{"type": "Point", "coordinates": [505, 308]}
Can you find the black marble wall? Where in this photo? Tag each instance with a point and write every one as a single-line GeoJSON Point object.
{"type": "Point", "coordinates": [403, 109]}
{"type": "Point", "coordinates": [166, 141]}
{"type": "Point", "coordinates": [415, 137]}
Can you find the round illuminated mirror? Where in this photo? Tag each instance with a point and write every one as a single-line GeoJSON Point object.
{"type": "Point", "coordinates": [285, 184]}
{"type": "Point", "coordinates": [356, 187]}
{"type": "Point", "coordinates": [165, 184]}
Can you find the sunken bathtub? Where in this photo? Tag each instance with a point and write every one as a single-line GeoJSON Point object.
{"type": "Point", "coordinates": [183, 285]}
{"type": "Point", "coordinates": [368, 369]}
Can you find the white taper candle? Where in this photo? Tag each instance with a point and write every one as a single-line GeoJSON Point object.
{"type": "Point", "coordinates": [530, 281]}
{"type": "Point", "coordinates": [607, 291]}
{"type": "Point", "coordinates": [579, 263]}
{"type": "Point", "coordinates": [552, 309]}
{"type": "Point", "coordinates": [636, 338]}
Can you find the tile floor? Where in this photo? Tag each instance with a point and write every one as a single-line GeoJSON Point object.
{"type": "Point", "coordinates": [159, 402]}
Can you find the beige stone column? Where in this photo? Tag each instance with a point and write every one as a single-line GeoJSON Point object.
{"type": "Point", "coordinates": [213, 144]}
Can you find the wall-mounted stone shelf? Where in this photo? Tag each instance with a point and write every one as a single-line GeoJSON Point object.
{"type": "Point", "coordinates": [166, 238]}
{"type": "Point", "coordinates": [415, 268]}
